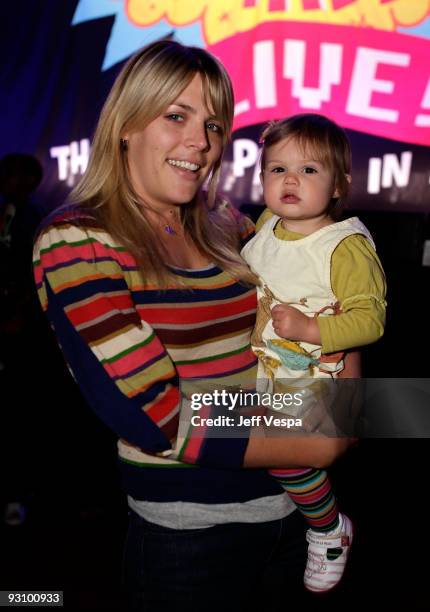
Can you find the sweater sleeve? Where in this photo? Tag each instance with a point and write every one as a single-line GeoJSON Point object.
{"type": "Point", "coordinates": [119, 363]}
{"type": "Point", "coordinates": [358, 281]}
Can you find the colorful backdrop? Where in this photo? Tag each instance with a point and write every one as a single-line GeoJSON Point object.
{"type": "Point", "coordinates": [364, 63]}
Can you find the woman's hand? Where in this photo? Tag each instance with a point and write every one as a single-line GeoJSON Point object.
{"type": "Point", "coordinates": [352, 365]}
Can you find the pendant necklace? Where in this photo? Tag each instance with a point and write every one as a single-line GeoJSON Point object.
{"type": "Point", "coordinates": [169, 229]}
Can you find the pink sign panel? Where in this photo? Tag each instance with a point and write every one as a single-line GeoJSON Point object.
{"type": "Point", "coordinates": [372, 81]}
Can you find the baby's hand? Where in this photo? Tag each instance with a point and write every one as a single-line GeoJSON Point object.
{"type": "Point", "coordinates": [290, 323]}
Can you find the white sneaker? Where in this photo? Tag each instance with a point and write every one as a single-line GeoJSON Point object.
{"type": "Point", "coordinates": [322, 573]}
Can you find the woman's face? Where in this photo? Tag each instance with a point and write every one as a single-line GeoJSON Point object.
{"type": "Point", "coordinates": [171, 157]}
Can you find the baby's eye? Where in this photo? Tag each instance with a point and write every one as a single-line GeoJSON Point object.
{"type": "Point", "coordinates": [277, 170]}
{"type": "Point", "coordinates": [214, 127]}
{"type": "Point", "coordinates": [309, 170]}
{"type": "Point", "coordinates": [174, 117]}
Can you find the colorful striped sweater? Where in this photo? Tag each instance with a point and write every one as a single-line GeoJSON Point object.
{"type": "Point", "coordinates": [129, 345]}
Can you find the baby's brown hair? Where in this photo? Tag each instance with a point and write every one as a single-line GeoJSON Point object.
{"type": "Point", "coordinates": [324, 140]}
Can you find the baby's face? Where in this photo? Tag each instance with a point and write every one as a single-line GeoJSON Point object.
{"type": "Point", "coordinates": [297, 187]}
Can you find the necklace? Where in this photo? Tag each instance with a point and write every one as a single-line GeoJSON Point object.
{"type": "Point", "coordinates": [172, 226]}
{"type": "Point", "coordinates": [169, 230]}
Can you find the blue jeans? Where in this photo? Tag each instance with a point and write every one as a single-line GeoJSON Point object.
{"type": "Point", "coordinates": [233, 567]}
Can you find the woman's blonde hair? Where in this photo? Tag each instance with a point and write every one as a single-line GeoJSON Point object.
{"type": "Point", "coordinates": [320, 137]}
{"type": "Point", "coordinates": [149, 82]}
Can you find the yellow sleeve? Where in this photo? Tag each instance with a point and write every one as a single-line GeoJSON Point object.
{"type": "Point", "coordinates": [358, 281]}
{"type": "Point", "coordinates": [265, 216]}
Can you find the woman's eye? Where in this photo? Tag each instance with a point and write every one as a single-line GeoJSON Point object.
{"type": "Point", "coordinates": [214, 127]}
{"type": "Point", "coordinates": [174, 117]}
{"type": "Point", "coordinates": [309, 170]}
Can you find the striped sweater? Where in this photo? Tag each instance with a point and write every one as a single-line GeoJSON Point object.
{"type": "Point", "coordinates": [129, 345]}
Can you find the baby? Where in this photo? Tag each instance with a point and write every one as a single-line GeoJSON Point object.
{"type": "Point", "coordinates": [322, 292]}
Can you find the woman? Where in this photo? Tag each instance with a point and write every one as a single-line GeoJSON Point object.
{"type": "Point", "coordinates": [142, 281]}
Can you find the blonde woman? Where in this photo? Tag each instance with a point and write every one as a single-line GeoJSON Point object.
{"type": "Point", "coordinates": [141, 278]}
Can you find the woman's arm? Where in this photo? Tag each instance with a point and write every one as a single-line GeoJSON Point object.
{"type": "Point", "coordinates": [320, 452]}
{"type": "Point", "coordinates": [352, 365]}
{"type": "Point", "coordinates": [118, 362]}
